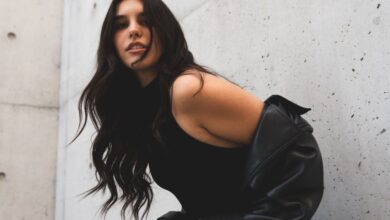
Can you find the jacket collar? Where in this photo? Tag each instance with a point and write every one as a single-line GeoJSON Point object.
{"type": "Point", "coordinates": [278, 125]}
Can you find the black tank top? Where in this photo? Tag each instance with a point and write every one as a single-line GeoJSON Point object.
{"type": "Point", "coordinates": [203, 177]}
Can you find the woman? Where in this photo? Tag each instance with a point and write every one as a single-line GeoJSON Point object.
{"type": "Point", "coordinates": [152, 104]}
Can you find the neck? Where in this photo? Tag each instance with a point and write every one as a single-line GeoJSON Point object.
{"type": "Point", "coordinates": [146, 76]}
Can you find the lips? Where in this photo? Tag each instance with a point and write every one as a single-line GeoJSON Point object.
{"type": "Point", "coordinates": [136, 46]}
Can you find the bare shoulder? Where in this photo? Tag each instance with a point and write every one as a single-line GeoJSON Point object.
{"type": "Point", "coordinates": [220, 107]}
{"type": "Point", "coordinates": [188, 85]}
{"type": "Point", "coordinates": [188, 94]}
{"type": "Point", "coordinates": [187, 82]}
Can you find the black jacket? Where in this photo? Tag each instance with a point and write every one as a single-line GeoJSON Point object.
{"type": "Point", "coordinates": [284, 171]}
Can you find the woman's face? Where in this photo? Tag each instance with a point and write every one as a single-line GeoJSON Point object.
{"type": "Point", "coordinates": [130, 28]}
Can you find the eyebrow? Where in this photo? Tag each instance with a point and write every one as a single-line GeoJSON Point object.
{"type": "Point", "coordinates": [117, 17]}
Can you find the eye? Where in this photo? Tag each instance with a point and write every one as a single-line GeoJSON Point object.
{"type": "Point", "coordinates": [143, 20]}
{"type": "Point", "coordinates": [120, 25]}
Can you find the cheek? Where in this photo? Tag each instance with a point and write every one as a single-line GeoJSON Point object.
{"type": "Point", "coordinates": [157, 48]}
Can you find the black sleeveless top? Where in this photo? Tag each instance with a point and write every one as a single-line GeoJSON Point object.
{"type": "Point", "coordinates": [204, 178]}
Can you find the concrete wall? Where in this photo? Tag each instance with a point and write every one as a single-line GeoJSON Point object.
{"type": "Point", "coordinates": [331, 56]}
{"type": "Point", "coordinates": [30, 36]}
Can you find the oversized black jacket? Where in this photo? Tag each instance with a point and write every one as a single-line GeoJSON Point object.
{"type": "Point", "coordinates": [283, 172]}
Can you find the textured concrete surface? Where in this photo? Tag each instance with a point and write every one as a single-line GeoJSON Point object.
{"type": "Point", "coordinates": [331, 56]}
{"type": "Point", "coordinates": [30, 36]}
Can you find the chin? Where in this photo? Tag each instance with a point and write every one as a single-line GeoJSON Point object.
{"type": "Point", "coordinates": [140, 67]}
{"type": "Point", "coordinates": [136, 66]}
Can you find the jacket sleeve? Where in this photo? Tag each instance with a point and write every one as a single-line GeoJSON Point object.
{"type": "Point", "coordinates": [290, 187]}
{"type": "Point", "coordinates": [284, 178]}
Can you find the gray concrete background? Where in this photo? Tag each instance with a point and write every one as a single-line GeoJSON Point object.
{"type": "Point", "coordinates": [30, 44]}
{"type": "Point", "coordinates": [332, 56]}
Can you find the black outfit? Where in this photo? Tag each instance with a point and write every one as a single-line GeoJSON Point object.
{"type": "Point", "coordinates": [278, 176]}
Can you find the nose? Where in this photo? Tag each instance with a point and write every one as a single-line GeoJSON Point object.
{"type": "Point", "coordinates": [135, 31]}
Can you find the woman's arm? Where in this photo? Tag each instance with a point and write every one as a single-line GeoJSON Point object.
{"type": "Point", "coordinates": [222, 108]}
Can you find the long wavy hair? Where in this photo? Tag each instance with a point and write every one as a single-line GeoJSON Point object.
{"type": "Point", "coordinates": [118, 157]}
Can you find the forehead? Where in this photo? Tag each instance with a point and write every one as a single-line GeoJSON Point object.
{"type": "Point", "coordinates": [127, 7]}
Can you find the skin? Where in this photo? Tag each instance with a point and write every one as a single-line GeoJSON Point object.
{"type": "Point", "coordinates": [131, 28]}
{"type": "Point", "coordinates": [225, 119]}
{"type": "Point", "coordinates": [221, 114]}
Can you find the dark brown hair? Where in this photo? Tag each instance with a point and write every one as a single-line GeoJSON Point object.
{"type": "Point", "coordinates": [118, 157]}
